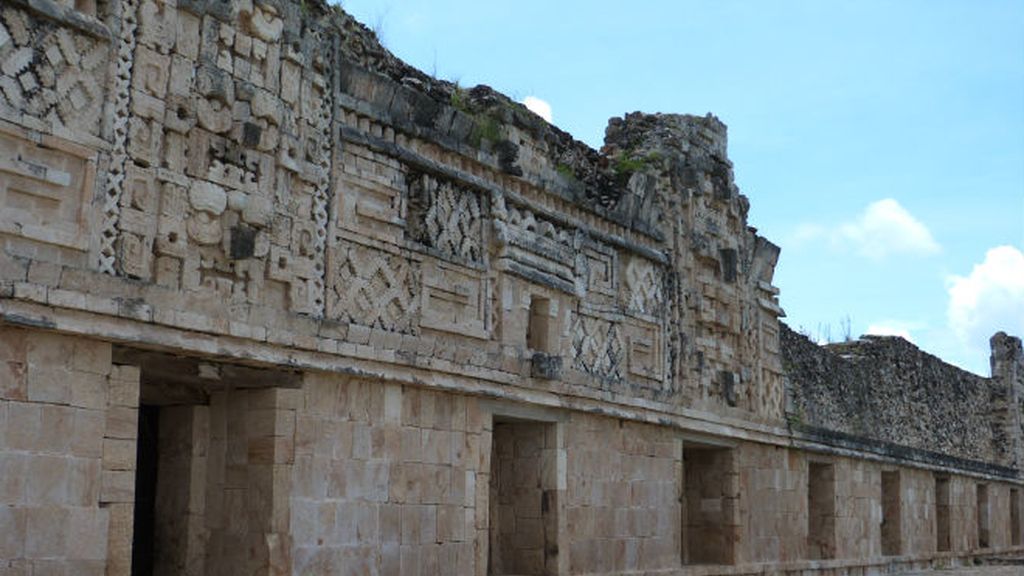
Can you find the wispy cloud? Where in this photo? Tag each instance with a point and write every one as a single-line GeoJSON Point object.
{"type": "Point", "coordinates": [989, 299]}
{"type": "Point", "coordinates": [539, 107]}
{"type": "Point", "coordinates": [883, 229]}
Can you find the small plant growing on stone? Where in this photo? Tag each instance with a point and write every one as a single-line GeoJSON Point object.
{"type": "Point", "coordinates": [566, 171]}
{"type": "Point", "coordinates": [459, 99]}
{"type": "Point", "coordinates": [846, 326]}
{"type": "Point", "coordinates": [628, 164]}
{"type": "Point", "coordinates": [485, 129]}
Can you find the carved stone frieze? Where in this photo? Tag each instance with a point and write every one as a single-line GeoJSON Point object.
{"type": "Point", "coordinates": [373, 288]}
{"type": "Point", "coordinates": [597, 346]}
{"type": "Point", "coordinates": [455, 300]}
{"type": "Point", "coordinates": [446, 218]}
{"type": "Point", "coordinates": [538, 248]}
{"type": "Point", "coordinates": [643, 289]}
{"type": "Point", "coordinates": [51, 73]}
{"type": "Point", "coordinates": [46, 188]}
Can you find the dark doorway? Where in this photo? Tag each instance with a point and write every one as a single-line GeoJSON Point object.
{"type": "Point", "coordinates": [982, 497]}
{"type": "Point", "coordinates": [821, 506]}
{"type": "Point", "coordinates": [145, 491]}
{"type": "Point", "coordinates": [1014, 517]}
{"type": "Point", "coordinates": [942, 514]}
{"type": "Point", "coordinates": [523, 499]}
{"type": "Point", "coordinates": [709, 505]}
{"type": "Point", "coordinates": [892, 543]}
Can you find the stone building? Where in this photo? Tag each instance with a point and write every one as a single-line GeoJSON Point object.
{"type": "Point", "coordinates": [273, 302]}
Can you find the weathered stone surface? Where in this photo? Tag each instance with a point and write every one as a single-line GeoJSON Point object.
{"type": "Point", "coordinates": [208, 197]}
{"type": "Point", "coordinates": [336, 316]}
{"type": "Point", "coordinates": [885, 388]}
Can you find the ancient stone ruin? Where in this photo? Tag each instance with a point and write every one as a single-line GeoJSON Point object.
{"type": "Point", "coordinates": [273, 302]}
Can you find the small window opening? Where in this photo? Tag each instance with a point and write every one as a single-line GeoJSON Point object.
{"type": "Point", "coordinates": [729, 264]}
{"type": "Point", "coordinates": [538, 325]}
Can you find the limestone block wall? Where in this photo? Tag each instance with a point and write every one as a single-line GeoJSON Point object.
{"type": "Point", "coordinates": [354, 475]}
{"type": "Point", "coordinates": [773, 503]}
{"type": "Point", "coordinates": [1001, 516]}
{"type": "Point", "coordinates": [622, 498]}
{"type": "Point", "coordinates": [918, 512]}
{"type": "Point", "coordinates": [964, 515]}
{"type": "Point", "coordinates": [245, 510]}
{"type": "Point", "coordinates": [67, 454]}
{"type": "Point", "coordinates": [858, 512]}
{"type": "Point", "coordinates": [774, 508]}
{"type": "Point", "coordinates": [388, 478]}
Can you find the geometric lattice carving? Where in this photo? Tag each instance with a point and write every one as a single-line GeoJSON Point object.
{"type": "Point", "coordinates": [50, 72]}
{"type": "Point", "coordinates": [446, 218]}
{"type": "Point", "coordinates": [374, 288]}
{"type": "Point", "coordinates": [121, 98]}
{"type": "Point", "coordinates": [643, 286]}
{"type": "Point", "coordinates": [319, 147]}
{"type": "Point", "coordinates": [597, 346]}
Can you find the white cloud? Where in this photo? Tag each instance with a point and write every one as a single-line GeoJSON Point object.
{"type": "Point", "coordinates": [891, 328]}
{"type": "Point", "coordinates": [989, 299]}
{"type": "Point", "coordinates": [886, 228]}
{"type": "Point", "coordinates": [538, 107]}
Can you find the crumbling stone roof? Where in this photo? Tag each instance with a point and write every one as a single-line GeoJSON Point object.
{"type": "Point", "coordinates": [886, 388]}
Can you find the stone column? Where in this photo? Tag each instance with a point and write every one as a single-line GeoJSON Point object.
{"type": "Point", "coordinates": [1007, 363]}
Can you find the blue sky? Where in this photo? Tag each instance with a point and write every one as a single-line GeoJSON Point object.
{"type": "Point", "coordinates": [881, 143]}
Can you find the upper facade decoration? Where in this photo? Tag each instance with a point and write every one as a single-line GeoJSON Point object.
{"type": "Point", "coordinates": [265, 169]}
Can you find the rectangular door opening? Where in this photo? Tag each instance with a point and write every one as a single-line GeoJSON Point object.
{"type": "Point", "coordinates": [983, 528]}
{"type": "Point", "coordinates": [942, 516]}
{"type": "Point", "coordinates": [523, 499]}
{"type": "Point", "coordinates": [1015, 539]}
{"type": "Point", "coordinates": [206, 456]}
{"type": "Point", "coordinates": [892, 544]}
{"type": "Point", "coordinates": [709, 505]}
{"type": "Point", "coordinates": [147, 458]}
{"type": "Point", "coordinates": [821, 511]}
